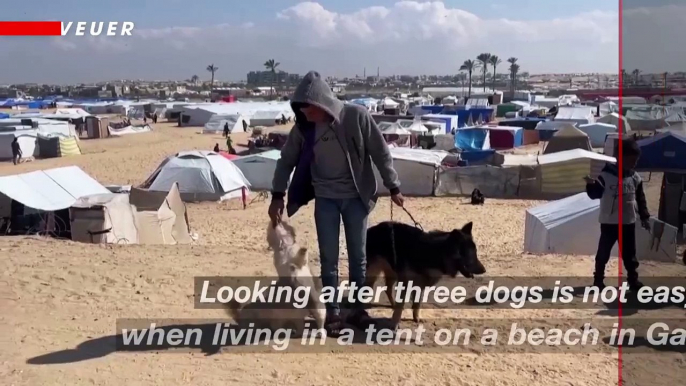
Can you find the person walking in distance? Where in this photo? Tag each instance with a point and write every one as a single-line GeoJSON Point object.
{"type": "Point", "coordinates": [332, 148]}
{"type": "Point", "coordinates": [633, 206]}
{"type": "Point", "coordinates": [16, 151]}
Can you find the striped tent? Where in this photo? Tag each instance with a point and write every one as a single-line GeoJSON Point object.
{"type": "Point", "coordinates": [562, 173]}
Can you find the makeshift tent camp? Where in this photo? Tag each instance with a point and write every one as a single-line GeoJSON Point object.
{"type": "Point", "coordinates": [568, 138]}
{"type": "Point", "coordinates": [47, 190]}
{"type": "Point", "coordinates": [504, 137]}
{"type": "Point", "coordinates": [473, 139]}
{"type": "Point", "coordinates": [563, 173]}
{"type": "Point", "coordinates": [663, 152]}
{"type": "Point", "coordinates": [259, 168]}
{"type": "Point", "coordinates": [270, 117]}
{"type": "Point", "coordinates": [616, 120]}
{"type": "Point", "coordinates": [143, 217]}
{"type": "Point", "coordinates": [416, 169]}
{"type": "Point", "coordinates": [570, 227]}
{"type": "Point", "coordinates": [236, 123]}
{"type": "Point", "coordinates": [201, 175]}
{"type": "Point", "coordinates": [418, 127]}
{"type": "Point", "coordinates": [492, 181]}
{"type": "Point", "coordinates": [597, 132]}
{"type": "Point", "coordinates": [577, 114]}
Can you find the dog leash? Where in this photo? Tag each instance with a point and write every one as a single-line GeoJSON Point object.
{"type": "Point", "coordinates": [416, 224]}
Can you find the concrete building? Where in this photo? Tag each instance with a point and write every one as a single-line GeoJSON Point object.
{"type": "Point", "coordinates": [280, 79]}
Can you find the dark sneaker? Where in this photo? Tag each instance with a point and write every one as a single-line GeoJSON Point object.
{"type": "Point", "coordinates": [600, 283]}
{"type": "Point", "coordinates": [635, 285]}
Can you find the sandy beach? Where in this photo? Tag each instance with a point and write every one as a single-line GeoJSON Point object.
{"type": "Point", "coordinates": [59, 300]}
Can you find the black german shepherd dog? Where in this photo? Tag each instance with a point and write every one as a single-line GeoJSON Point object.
{"type": "Point", "coordinates": [421, 257]}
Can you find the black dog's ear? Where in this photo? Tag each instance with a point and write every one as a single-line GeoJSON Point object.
{"type": "Point", "coordinates": [467, 229]}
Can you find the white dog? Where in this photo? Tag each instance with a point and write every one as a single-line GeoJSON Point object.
{"type": "Point", "coordinates": [291, 263]}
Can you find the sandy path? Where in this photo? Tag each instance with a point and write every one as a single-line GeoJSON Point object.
{"type": "Point", "coordinates": [57, 295]}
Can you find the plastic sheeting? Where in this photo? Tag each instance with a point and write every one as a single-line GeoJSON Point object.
{"type": "Point", "coordinates": [50, 190]}
{"type": "Point", "coordinates": [664, 151]}
{"type": "Point", "coordinates": [473, 139]}
{"type": "Point", "coordinates": [259, 168]}
{"type": "Point", "coordinates": [492, 181]}
{"type": "Point", "coordinates": [597, 132]}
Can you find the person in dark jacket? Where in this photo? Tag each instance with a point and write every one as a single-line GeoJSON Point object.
{"type": "Point", "coordinates": [633, 207]}
{"type": "Point", "coordinates": [216, 148]}
{"type": "Point", "coordinates": [226, 130]}
{"type": "Point", "coordinates": [333, 148]}
{"type": "Point", "coordinates": [16, 151]}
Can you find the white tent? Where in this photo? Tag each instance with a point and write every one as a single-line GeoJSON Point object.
{"type": "Point", "coordinates": [270, 117]}
{"type": "Point", "coordinates": [577, 114]}
{"type": "Point", "coordinates": [568, 138]}
{"type": "Point", "coordinates": [131, 129]}
{"type": "Point", "coordinates": [47, 190]}
{"type": "Point", "coordinates": [389, 103]}
{"type": "Point", "coordinates": [570, 227]}
{"type": "Point", "coordinates": [614, 119]}
{"type": "Point", "coordinates": [394, 128]}
{"type": "Point", "coordinates": [201, 175]}
{"type": "Point", "coordinates": [597, 132]}
{"type": "Point", "coordinates": [77, 113]}
{"type": "Point", "coordinates": [417, 170]}
{"type": "Point", "coordinates": [237, 124]}
{"type": "Point", "coordinates": [142, 217]}
{"type": "Point", "coordinates": [418, 127]}
{"type": "Point", "coordinates": [259, 168]}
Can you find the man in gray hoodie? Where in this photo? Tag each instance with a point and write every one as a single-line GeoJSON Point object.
{"type": "Point", "coordinates": [332, 148]}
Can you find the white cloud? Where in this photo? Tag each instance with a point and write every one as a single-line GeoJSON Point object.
{"type": "Point", "coordinates": [409, 37]}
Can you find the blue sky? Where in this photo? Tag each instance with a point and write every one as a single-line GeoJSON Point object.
{"type": "Point", "coordinates": [161, 13]}
{"type": "Point", "coordinates": [174, 39]}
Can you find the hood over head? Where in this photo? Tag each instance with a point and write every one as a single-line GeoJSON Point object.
{"type": "Point", "coordinates": [315, 91]}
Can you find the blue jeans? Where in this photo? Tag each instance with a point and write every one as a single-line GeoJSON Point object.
{"type": "Point", "coordinates": [327, 216]}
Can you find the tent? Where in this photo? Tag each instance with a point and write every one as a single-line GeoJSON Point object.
{"type": "Point", "coordinates": [562, 173]}
{"type": "Point", "coordinates": [393, 129]}
{"type": "Point", "coordinates": [418, 127]}
{"type": "Point", "coordinates": [416, 168]}
{"type": "Point", "coordinates": [259, 168]}
{"type": "Point", "coordinates": [131, 129]}
{"type": "Point", "coordinates": [597, 132]}
{"type": "Point", "coordinates": [142, 217]}
{"type": "Point", "coordinates": [576, 114]}
{"type": "Point", "coordinates": [505, 137]}
{"type": "Point", "coordinates": [570, 227]}
{"type": "Point", "coordinates": [472, 139]}
{"type": "Point", "coordinates": [201, 175]}
{"type": "Point", "coordinates": [663, 152]}
{"type": "Point", "coordinates": [270, 117]}
{"type": "Point", "coordinates": [97, 127]}
{"type": "Point", "coordinates": [237, 124]}
{"type": "Point", "coordinates": [57, 146]}
{"type": "Point", "coordinates": [568, 138]}
{"type": "Point", "coordinates": [47, 190]}
{"type": "Point", "coordinates": [615, 119]}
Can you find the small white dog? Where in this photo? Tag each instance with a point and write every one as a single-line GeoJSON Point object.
{"type": "Point", "coordinates": [291, 263]}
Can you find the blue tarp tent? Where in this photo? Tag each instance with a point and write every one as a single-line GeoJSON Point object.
{"type": "Point", "coordinates": [663, 151]}
{"type": "Point", "coordinates": [4, 115]}
{"type": "Point", "coordinates": [472, 139]}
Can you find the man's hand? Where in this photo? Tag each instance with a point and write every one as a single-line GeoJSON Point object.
{"type": "Point", "coordinates": [276, 211]}
{"type": "Point", "coordinates": [398, 199]}
{"type": "Point", "coordinates": [645, 224]}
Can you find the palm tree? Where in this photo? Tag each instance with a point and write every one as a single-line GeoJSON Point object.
{"type": "Point", "coordinates": [514, 70]}
{"type": "Point", "coordinates": [469, 66]}
{"type": "Point", "coordinates": [271, 65]}
{"type": "Point", "coordinates": [624, 75]}
{"type": "Point", "coordinates": [513, 80]}
{"type": "Point", "coordinates": [484, 60]}
{"type": "Point", "coordinates": [194, 79]}
{"type": "Point", "coordinates": [636, 73]}
{"type": "Point", "coordinates": [212, 69]}
{"type": "Point", "coordinates": [494, 61]}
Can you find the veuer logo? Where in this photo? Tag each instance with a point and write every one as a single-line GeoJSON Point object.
{"type": "Point", "coordinates": [112, 28]}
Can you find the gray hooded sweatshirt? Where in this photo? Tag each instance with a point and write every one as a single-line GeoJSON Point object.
{"type": "Point", "coordinates": [353, 129]}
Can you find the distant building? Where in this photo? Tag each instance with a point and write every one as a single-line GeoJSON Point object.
{"type": "Point", "coordinates": [265, 78]}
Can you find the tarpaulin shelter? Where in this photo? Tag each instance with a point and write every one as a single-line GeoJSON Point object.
{"type": "Point", "coordinates": [568, 138]}
{"type": "Point", "coordinates": [504, 137]}
{"type": "Point", "coordinates": [472, 139]}
{"type": "Point", "coordinates": [663, 152]}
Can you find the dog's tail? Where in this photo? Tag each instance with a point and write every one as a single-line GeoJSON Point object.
{"type": "Point", "coordinates": [233, 308]}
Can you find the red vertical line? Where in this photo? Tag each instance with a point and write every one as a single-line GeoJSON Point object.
{"type": "Point", "coordinates": [619, 190]}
